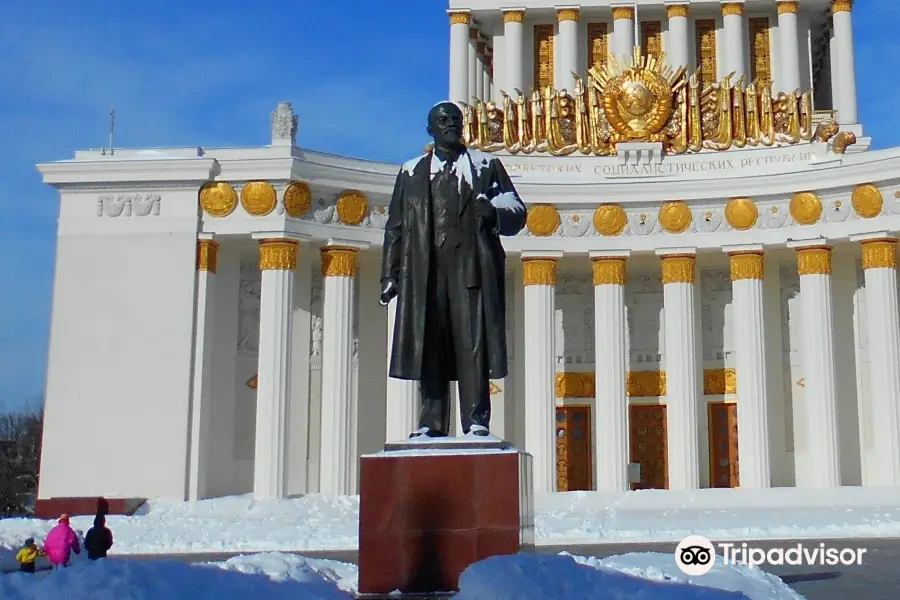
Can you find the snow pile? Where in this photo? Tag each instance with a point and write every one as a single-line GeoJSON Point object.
{"type": "Point", "coordinates": [718, 514]}
{"type": "Point", "coordinates": [240, 524]}
{"type": "Point", "coordinates": [231, 524]}
{"type": "Point", "coordinates": [113, 579]}
{"type": "Point", "coordinates": [281, 577]}
{"type": "Point", "coordinates": [752, 582]}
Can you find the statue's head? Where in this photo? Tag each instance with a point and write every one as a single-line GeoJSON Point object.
{"type": "Point", "coordinates": [445, 124]}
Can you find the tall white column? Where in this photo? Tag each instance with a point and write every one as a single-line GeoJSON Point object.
{"type": "Point", "coordinates": [879, 261]}
{"type": "Point", "coordinates": [277, 260]}
{"type": "Point", "coordinates": [539, 279]}
{"type": "Point", "coordinates": [622, 44]}
{"type": "Point", "coordinates": [789, 52]}
{"type": "Point", "coordinates": [735, 40]}
{"type": "Point", "coordinates": [749, 339]}
{"type": "Point", "coordinates": [814, 268]}
{"type": "Point", "coordinates": [845, 66]}
{"type": "Point", "coordinates": [610, 424]}
{"type": "Point", "coordinates": [404, 398]}
{"type": "Point", "coordinates": [459, 56]}
{"type": "Point", "coordinates": [834, 78]}
{"type": "Point", "coordinates": [481, 47]}
{"type": "Point", "coordinates": [513, 52]}
{"type": "Point", "coordinates": [678, 40]}
{"type": "Point", "coordinates": [201, 392]}
{"type": "Point", "coordinates": [486, 75]}
{"type": "Point", "coordinates": [683, 397]}
{"type": "Point", "coordinates": [474, 75]}
{"type": "Point", "coordinates": [338, 272]}
{"type": "Point", "coordinates": [566, 47]}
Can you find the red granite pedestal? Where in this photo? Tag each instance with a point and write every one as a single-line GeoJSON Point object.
{"type": "Point", "coordinates": [429, 510]}
{"type": "Point", "coordinates": [51, 508]}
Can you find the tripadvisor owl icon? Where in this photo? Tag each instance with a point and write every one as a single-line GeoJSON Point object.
{"type": "Point", "coordinates": [695, 555]}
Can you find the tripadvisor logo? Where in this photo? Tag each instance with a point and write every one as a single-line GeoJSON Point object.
{"type": "Point", "coordinates": [695, 555]}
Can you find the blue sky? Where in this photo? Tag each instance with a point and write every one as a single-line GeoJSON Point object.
{"type": "Point", "coordinates": [360, 74]}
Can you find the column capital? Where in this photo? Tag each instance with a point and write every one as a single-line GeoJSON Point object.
{"type": "Point", "coordinates": [339, 261]}
{"type": "Point", "coordinates": [816, 242]}
{"type": "Point", "coordinates": [664, 252]}
{"type": "Point", "coordinates": [678, 268]}
{"type": "Point", "coordinates": [879, 253]}
{"type": "Point", "coordinates": [814, 260]}
{"type": "Point", "coordinates": [732, 8]}
{"type": "Point", "coordinates": [276, 254]}
{"type": "Point", "coordinates": [678, 8]}
{"type": "Point", "coordinates": [872, 235]}
{"type": "Point", "coordinates": [482, 46]}
{"type": "Point", "coordinates": [539, 270]}
{"type": "Point", "coordinates": [513, 15]}
{"type": "Point", "coordinates": [568, 13]}
{"type": "Point", "coordinates": [608, 270]}
{"type": "Point", "coordinates": [788, 7]}
{"type": "Point", "coordinates": [623, 12]}
{"type": "Point", "coordinates": [746, 265]}
{"type": "Point", "coordinates": [841, 6]}
{"type": "Point", "coordinates": [207, 254]}
{"type": "Point", "coordinates": [473, 32]}
{"type": "Point", "coordinates": [743, 249]}
{"type": "Point", "coordinates": [459, 17]}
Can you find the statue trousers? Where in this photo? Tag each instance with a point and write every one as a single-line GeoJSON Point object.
{"type": "Point", "coordinates": [454, 334]}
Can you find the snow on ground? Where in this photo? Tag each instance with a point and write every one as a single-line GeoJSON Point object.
{"type": "Point", "coordinates": [285, 576]}
{"type": "Point", "coordinates": [240, 524]}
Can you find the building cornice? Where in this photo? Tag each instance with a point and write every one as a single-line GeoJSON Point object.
{"type": "Point", "coordinates": [107, 172]}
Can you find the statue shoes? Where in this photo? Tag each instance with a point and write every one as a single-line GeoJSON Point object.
{"type": "Point", "coordinates": [480, 430]}
{"type": "Point", "coordinates": [426, 432]}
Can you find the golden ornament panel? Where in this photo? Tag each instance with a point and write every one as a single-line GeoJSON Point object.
{"type": "Point", "coordinates": [643, 384]}
{"type": "Point", "coordinates": [675, 216]}
{"type": "Point", "coordinates": [806, 208]}
{"type": "Point", "coordinates": [258, 198]}
{"type": "Point", "coordinates": [879, 254]}
{"type": "Point", "coordinates": [679, 268]}
{"type": "Point", "coordinates": [610, 219]}
{"type": "Point", "coordinates": [460, 18]}
{"type": "Point", "coordinates": [746, 265]}
{"type": "Point", "coordinates": [608, 270]}
{"type": "Point", "coordinates": [867, 200]}
{"type": "Point", "coordinates": [741, 213]}
{"type": "Point", "coordinates": [218, 199]}
{"type": "Point", "coordinates": [815, 260]}
{"type": "Point", "coordinates": [543, 219]}
{"type": "Point", "coordinates": [277, 254]}
{"type": "Point", "coordinates": [641, 98]}
{"type": "Point", "coordinates": [207, 255]}
{"type": "Point", "coordinates": [297, 198]}
{"type": "Point", "coordinates": [339, 261]}
{"type": "Point", "coordinates": [352, 207]}
{"type": "Point", "coordinates": [539, 271]}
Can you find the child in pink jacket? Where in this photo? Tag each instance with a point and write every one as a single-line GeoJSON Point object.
{"type": "Point", "coordinates": [61, 542]}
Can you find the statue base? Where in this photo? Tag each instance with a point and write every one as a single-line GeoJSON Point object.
{"type": "Point", "coordinates": [430, 508]}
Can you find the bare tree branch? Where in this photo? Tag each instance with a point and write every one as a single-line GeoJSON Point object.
{"type": "Point", "coordinates": [20, 456]}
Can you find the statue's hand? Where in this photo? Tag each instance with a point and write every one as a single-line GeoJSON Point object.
{"type": "Point", "coordinates": [388, 291]}
{"type": "Point", "coordinates": [486, 211]}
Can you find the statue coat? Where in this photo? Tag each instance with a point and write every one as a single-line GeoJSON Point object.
{"type": "Point", "coordinates": [408, 243]}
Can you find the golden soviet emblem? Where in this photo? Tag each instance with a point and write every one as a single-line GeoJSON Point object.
{"type": "Point", "coordinates": [638, 98]}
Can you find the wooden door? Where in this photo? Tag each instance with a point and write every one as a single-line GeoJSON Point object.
{"type": "Point", "coordinates": [647, 424]}
{"type": "Point", "coordinates": [723, 445]}
{"type": "Point", "coordinates": [574, 448]}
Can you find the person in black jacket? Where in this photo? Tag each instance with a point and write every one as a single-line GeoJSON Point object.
{"type": "Point", "coordinates": [99, 539]}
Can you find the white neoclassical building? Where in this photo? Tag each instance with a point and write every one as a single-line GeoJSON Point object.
{"type": "Point", "coordinates": [705, 295]}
